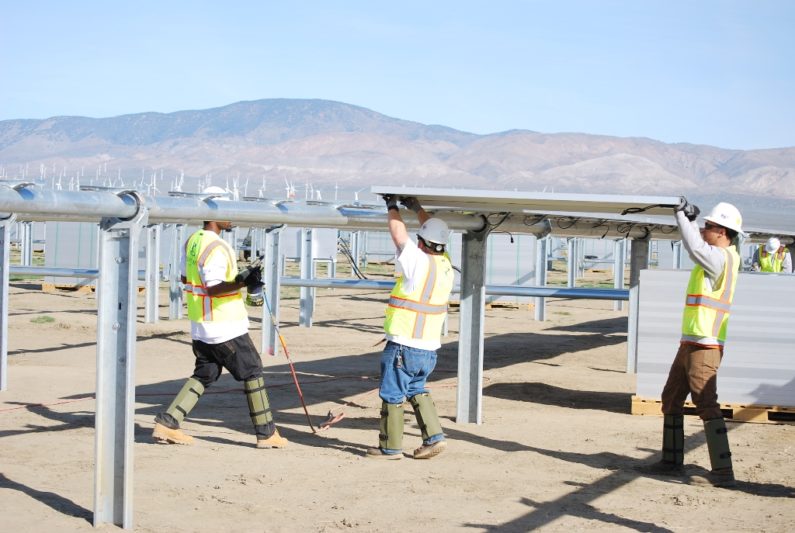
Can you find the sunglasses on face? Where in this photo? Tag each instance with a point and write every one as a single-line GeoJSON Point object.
{"type": "Point", "coordinates": [711, 227]}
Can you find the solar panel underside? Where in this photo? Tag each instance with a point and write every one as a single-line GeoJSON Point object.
{"type": "Point", "coordinates": [485, 201]}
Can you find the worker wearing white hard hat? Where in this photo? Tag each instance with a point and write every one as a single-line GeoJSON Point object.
{"type": "Point", "coordinates": [708, 300]}
{"type": "Point", "coordinates": [772, 257]}
{"type": "Point", "coordinates": [413, 327]}
{"type": "Point", "coordinates": [219, 333]}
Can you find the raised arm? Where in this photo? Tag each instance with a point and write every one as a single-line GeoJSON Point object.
{"type": "Point", "coordinates": [397, 228]}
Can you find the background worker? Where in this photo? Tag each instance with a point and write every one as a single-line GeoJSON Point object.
{"type": "Point", "coordinates": [710, 292]}
{"type": "Point", "coordinates": [219, 329]}
{"type": "Point", "coordinates": [413, 326]}
{"type": "Point", "coordinates": [772, 257]}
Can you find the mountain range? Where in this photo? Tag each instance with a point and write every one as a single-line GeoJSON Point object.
{"type": "Point", "coordinates": [331, 144]}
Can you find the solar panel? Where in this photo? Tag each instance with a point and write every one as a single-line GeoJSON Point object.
{"type": "Point", "coordinates": [485, 201]}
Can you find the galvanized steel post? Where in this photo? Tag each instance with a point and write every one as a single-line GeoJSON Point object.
{"type": "Point", "coordinates": [677, 255]}
{"type": "Point", "coordinates": [152, 284]}
{"type": "Point", "coordinates": [307, 294]}
{"type": "Point", "coordinates": [177, 232]}
{"type": "Point", "coordinates": [115, 398]}
{"type": "Point", "coordinates": [571, 263]}
{"type": "Point", "coordinates": [541, 276]}
{"type": "Point", "coordinates": [271, 270]}
{"type": "Point", "coordinates": [25, 231]}
{"type": "Point", "coordinates": [619, 259]}
{"type": "Point", "coordinates": [470, 339]}
{"type": "Point", "coordinates": [639, 260]}
{"type": "Point", "coordinates": [5, 266]}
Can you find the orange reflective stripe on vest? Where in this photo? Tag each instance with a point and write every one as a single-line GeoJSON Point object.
{"type": "Point", "coordinates": [420, 315]}
{"type": "Point", "coordinates": [201, 305]}
{"type": "Point", "coordinates": [706, 312]}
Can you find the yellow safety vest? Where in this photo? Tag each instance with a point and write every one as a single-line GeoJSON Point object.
{"type": "Point", "coordinates": [201, 306]}
{"type": "Point", "coordinates": [421, 313]}
{"type": "Point", "coordinates": [707, 311]}
{"type": "Point", "coordinates": [771, 262]}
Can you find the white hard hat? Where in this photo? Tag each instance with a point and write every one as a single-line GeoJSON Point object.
{"type": "Point", "coordinates": [726, 215]}
{"type": "Point", "coordinates": [435, 230]}
{"type": "Point", "coordinates": [219, 193]}
{"type": "Point", "coordinates": [772, 245]}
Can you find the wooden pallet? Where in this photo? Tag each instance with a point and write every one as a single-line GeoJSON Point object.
{"type": "Point", "coordinates": [80, 289]}
{"type": "Point", "coordinates": [57, 287]}
{"type": "Point", "coordinates": [737, 412]}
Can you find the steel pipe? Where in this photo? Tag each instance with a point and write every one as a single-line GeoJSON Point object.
{"type": "Point", "coordinates": [79, 206]}
{"type": "Point", "coordinates": [491, 290]}
{"type": "Point", "coordinates": [32, 203]}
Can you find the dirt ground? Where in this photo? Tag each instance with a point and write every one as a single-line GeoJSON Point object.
{"type": "Point", "coordinates": [555, 451]}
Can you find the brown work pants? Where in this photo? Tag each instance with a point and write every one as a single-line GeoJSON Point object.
{"type": "Point", "coordinates": [695, 372]}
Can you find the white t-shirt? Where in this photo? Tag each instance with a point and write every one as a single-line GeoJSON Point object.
{"type": "Point", "coordinates": [213, 273]}
{"type": "Point", "coordinates": [414, 264]}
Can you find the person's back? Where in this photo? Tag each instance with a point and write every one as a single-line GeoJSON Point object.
{"type": "Point", "coordinates": [413, 327]}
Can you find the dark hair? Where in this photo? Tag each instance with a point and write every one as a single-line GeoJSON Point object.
{"type": "Point", "coordinates": [730, 233]}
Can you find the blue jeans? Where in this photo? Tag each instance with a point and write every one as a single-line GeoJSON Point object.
{"type": "Point", "coordinates": [404, 371]}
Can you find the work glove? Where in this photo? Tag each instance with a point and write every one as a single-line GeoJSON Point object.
{"type": "Point", "coordinates": [254, 282]}
{"type": "Point", "coordinates": [253, 273]}
{"type": "Point", "coordinates": [691, 211]}
{"type": "Point", "coordinates": [391, 201]}
{"type": "Point", "coordinates": [410, 202]}
{"type": "Point", "coordinates": [254, 286]}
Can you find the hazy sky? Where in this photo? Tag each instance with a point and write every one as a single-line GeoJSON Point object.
{"type": "Point", "coordinates": [700, 71]}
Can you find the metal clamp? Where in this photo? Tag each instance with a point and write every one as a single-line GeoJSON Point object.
{"type": "Point", "coordinates": [140, 217]}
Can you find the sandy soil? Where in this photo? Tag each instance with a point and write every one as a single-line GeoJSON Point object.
{"type": "Point", "coordinates": [555, 451]}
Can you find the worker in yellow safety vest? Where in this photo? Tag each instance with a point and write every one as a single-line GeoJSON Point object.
{"type": "Point", "coordinates": [710, 292]}
{"type": "Point", "coordinates": [219, 331]}
{"type": "Point", "coordinates": [415, 317]}
{"type": "Point", "coordinates": [772, 257]}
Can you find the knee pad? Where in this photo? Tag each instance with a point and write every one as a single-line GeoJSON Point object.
{"type": "Point", "coordinates": [259, 407]}
{"type": "Point", "coordinates": [185, 400]}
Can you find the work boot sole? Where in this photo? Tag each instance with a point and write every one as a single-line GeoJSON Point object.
{"type": "Point", "coordinates": [274, 441]}
{"type": "Point", "coordinates": [165, 435]}
{"type": "Point", "coordinates": [432, 450]}
{"type": "Point", "coordinates": [708, 480]}
{"type": "Point", "coordinates": [376, 453]}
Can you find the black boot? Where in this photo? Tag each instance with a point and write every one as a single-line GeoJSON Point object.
{"type": "Point", "coordinates": [720, 457]}
{"type": "Point", "coordinates": [673, 449]}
